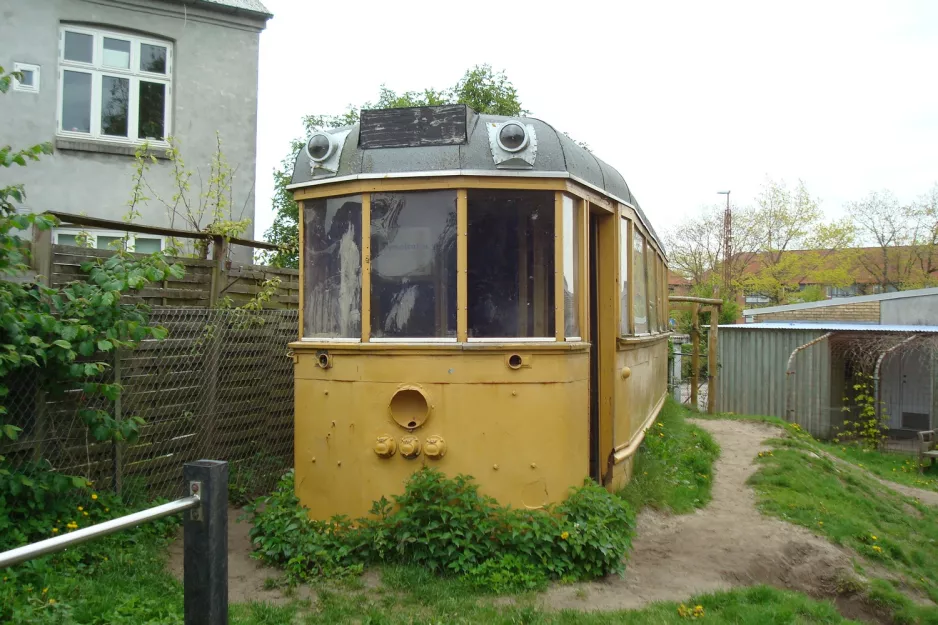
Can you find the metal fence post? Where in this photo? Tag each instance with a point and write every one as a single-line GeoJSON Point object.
{"type": "Point", "coordinates": [205, 544]}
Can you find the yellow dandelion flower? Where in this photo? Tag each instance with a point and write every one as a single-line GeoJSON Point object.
{"type": "Point", "coordinates": [80, 508]}
{"type": "Point", "coordinates": [107, 509]}
{"type": "Point", "coordinates": [55, 530]}
{"type": "Point", "coordinates": [877, 549]}
{"type": "Point", "coordinates": [45, 590]}
{"type": "Point", "coordinates": [94, 495]}
{"type": "Point", "coordinates": [565, 535]}
{"type": "Point", "coordinates": [51, 601]}
{"type": "Point", "coordinates": [821, 523]}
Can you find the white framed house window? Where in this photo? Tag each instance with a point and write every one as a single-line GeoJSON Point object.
{"type": "Point", "coordinates": [29, 81]}
{"type": "Point", "coordinates": [108, 240]}
{"type": "Point", "coordinates": [114, 86]}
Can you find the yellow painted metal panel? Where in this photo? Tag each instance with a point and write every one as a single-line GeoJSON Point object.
{"type": "Point", "coordinates": [535, 433]}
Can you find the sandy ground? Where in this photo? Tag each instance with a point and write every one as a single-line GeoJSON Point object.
{"type": "Point", "coordinates": [246, 576]}
{"type": "Point", "coordinates": [727, 544]}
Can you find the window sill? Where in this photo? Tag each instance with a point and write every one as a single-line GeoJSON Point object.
{"type": "Point", "coordinates": [99, 146]}
{"type": "Point", "coordinates": [641, 339]}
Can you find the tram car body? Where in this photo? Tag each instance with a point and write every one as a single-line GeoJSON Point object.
{"type": "Point", "coordinates": [478, 294]}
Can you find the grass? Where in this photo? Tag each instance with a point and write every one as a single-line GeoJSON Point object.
{"type": "Point", "coordinates": [673, 468]}
{"type": "Point", "coordinates": [412, 595]}
{"type": "Point", "coordinates": [850, 508]}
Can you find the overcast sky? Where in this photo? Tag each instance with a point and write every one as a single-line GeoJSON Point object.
{"type": "Point", "coordinates": [684, 98]}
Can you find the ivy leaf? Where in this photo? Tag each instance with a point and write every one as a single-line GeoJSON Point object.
{"type": "Point", "coordinates": [86, 348]}
{"type": "Point", "coordinates": [104, 346]}
{"type": "Point", "coordinates": [10, 431]}
{"type": "Point", "coordinates": [62, 343]}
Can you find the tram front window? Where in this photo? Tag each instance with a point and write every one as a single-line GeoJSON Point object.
{"type": "Point", "coordinates": [413, 265]}
{"type": "Point", "coordinates": [510, 264]}
{"type": "Point", "coordinates": [332, 257]}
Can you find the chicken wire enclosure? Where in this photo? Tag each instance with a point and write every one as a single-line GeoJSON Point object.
{"type": "Point", "coordinates": [219, 386]}
{"type": "Point", "coordinates": [818, 377]}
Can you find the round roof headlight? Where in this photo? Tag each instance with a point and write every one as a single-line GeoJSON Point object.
{"type": "Point", "coordinates": [512, 137]}
{"type": "Point", "coordinates": [320, 146]}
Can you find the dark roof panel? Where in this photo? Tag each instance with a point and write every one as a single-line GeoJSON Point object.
{"type": "Point", "coordinates": [556, 154]}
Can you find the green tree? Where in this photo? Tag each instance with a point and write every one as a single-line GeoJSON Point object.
{"type": "Point", "coordinates": [480, 88]}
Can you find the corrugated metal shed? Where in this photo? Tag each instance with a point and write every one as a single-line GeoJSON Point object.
{"type": "Point", "coordinates": [754, 358]}
{"type": "Point", "coordinates": [835, 327]}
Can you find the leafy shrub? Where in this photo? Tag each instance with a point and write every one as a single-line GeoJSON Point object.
{"type": "Point", "coordinates": [508, 574]}
{"type": "Point", "coordinates": [446, 526]}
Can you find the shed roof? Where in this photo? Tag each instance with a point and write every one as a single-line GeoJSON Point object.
{"type": "Point", "coordinates": [558, 156]}
{"type": "Point", "coordinates": [832, 327]}
{"type": "Point", "coordinates": [842, 301]}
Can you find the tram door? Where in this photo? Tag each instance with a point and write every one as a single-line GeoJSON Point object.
{"type": "Point", "coordinates": [594, 468]}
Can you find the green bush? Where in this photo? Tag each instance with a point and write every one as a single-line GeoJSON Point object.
{"type": "Point", "coordinates": [445, 525]}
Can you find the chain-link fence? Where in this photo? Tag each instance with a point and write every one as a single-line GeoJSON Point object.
{"type": "Point", "coordinates": [220, 386]}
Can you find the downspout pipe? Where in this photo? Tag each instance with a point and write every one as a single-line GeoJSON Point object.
{"type": "Point", "coordinates": [789, 373]}
{"type": "Point", "coordinates": [879, 363]}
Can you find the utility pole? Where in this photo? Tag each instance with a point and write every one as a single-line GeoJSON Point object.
{"type": "Point", "coordinates": [727, 245]}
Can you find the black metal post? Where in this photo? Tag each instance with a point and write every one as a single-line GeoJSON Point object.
{"type": "Point", "coordinates": [205, 544]}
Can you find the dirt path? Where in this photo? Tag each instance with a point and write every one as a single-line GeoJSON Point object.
{"type": "Point", "coordinates": [727, 544]}
{"type": "Point", "coordinates": [927, 497]}
{"type": "Point", "coordinates": [246, 575]}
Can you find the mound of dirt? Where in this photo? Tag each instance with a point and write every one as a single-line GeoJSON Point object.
{"type": "Point", "coordinates": [725, 545]}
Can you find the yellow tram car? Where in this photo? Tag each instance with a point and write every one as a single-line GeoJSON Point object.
{"type": "Point", "coordinates": [479, 294]}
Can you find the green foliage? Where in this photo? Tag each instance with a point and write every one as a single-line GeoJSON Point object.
{"type": "Point", "coordinates": [863, 426]}
{"type": "Point", "coordinates": [480, 88]}
{"type": "Point", "coordinates": [446, 526]}
{"type": "Point", "coordinates": [250, 478]}
{"type": "Point", "coordinates": [673, 468]}
{"type": "Point", "coordinates": [508, 574]}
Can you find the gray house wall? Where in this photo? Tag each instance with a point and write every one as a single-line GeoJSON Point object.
{"type": "Point", "coordinates": [920, 310]}
{"type": "Point", "coordinates": [752, 376]}
{"type": "Point", "coordinates": [214, 88]}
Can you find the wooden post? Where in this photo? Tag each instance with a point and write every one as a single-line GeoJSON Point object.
{"type": "Point", "coordinates": [695, 353]}
{"type": "Point", "coordinates": [205, 544]}
{"type": "Point", "coordinates": [117, 448]}
{"type": "Point", "coordinates": [41, 261]}
{"type": "Point", "coordinates": [712, 360]}
{"type": "Point", "coordinates": [219, 269]}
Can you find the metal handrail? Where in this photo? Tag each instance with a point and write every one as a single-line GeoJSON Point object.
{"type": "Point", "coordinates": [60, 543]}
{"type": "Point", "coordinates": [205, 540]}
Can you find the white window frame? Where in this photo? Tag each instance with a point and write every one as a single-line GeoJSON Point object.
{"type": "Point", "coordinates": [26, 67]}
{"type": "Point", "coordinates": [98, 70]}
{"type": "Point", "coordinates": [94, 233]}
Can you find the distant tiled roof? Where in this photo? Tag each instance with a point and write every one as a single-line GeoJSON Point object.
{"type": "Point", "coordinates": [252, 6]}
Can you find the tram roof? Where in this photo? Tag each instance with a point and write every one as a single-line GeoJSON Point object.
{"type": "Point", "coordinates": [409, 142]}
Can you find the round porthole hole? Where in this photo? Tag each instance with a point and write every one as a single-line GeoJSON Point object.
{"type": "Point", "coordinates": [514, 361]}
{"type": "Point", "coordinates": [409, 407]}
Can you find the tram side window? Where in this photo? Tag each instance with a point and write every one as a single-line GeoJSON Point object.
{"type": "Point", "coordinates": [653, 295]}
{"type": "Point", "coordinates": [332, 273]}
{"type": "Point", "coordinates": [510, 264]}
{"type": "Point", "coordinates": [413, 265]}
{"type": "Point", "coordinates": [624, 252]}
{"type": "Point", "coordinates": [571, 262]}
{"type": "Point", "coordinates": [639, 299]}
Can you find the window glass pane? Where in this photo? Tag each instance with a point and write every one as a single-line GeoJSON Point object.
{"type": "Point", "coordinates": [79, 47]}
{"type": "Point", "coordinates": [332, 257]}
{"type": "Point", "coordinates": [108, 243]}
{"type": "Point", "coordinates": [115, 99]}
{"type": "Point", "coordinates": [639, 299]}
{"type": "Point", "coordinates": [116, 53]}
{"type": "Point", "coordinates": [624, 252]}
{"type": "Point", "coordinates": [147, 246]}
{"type": "Point", "coordinates": [511, 264]}
{"type": "Point", "coordinates": [413, 264]}
{"type": "Point", "coordinates": [571, 263]}
{"type": "Point", "coordinates": [151, 110]}
{"type": "Point", "coordinates": [76, 102]}
{"type": "Point", "coordinates": [653, 295]}
{"type": "Point", "coordinates": [152, 58]}
{"type": "Point", "coordinates": [67, 239]}
{"type": "Point", "coordinates": [28, 77]}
